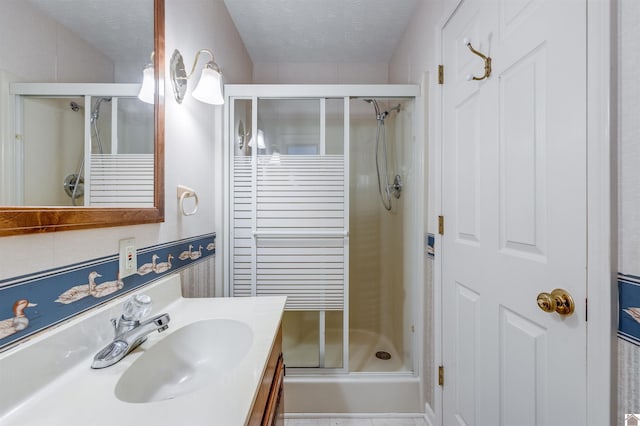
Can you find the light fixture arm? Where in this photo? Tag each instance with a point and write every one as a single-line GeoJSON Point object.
{"type": "Point", "coordinates": [211, 63]}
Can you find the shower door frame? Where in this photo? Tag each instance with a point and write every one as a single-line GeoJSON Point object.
{"type": "Point", "coordinates": [321, 93]}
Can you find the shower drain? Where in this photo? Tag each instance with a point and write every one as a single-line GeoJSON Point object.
{"type": "Point", "coordinates": [383, 355]}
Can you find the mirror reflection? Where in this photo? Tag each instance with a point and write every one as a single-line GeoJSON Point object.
{"type": "Point", "coordinates": [75, 133]}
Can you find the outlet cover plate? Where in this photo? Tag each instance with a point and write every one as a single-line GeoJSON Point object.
{"type": "Point", "coordinates": [128, 257]}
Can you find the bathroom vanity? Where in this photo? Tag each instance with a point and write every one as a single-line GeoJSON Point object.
{"type": "Point", "coordinates": [218, 363]}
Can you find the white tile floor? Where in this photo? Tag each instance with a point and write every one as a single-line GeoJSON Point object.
{"type": "Point", "coordinates": [356, 421]}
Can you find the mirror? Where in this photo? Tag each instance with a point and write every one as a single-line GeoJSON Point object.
{"type": "Point", "coordinates": [29, 219]}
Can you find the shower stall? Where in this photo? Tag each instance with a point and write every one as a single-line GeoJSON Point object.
{"type": "Point", "coordinates": [80, 145]}
{"type": "Point", "coordinates": [325, 201]}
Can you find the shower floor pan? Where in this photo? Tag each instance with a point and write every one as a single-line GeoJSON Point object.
{"type": "Point", "coordinates": [363, 347]}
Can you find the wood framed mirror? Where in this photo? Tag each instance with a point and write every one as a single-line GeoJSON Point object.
{"type": "Point", "coordinates": [15, 220]}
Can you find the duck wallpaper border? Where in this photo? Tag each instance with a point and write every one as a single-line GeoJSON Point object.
{"type": "Point", "coordinates": [34, 302]}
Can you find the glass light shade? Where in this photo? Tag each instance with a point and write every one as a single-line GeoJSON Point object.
{"type": "Point", "coordinates": [147, 90]}
{"type": "Point", "coordinates": [209, 89]}
{"type": "Point", "coordinates": [261, 142]}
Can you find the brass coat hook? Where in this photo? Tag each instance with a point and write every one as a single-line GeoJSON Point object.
{"type": "Point", "coordinates": [487, 62]}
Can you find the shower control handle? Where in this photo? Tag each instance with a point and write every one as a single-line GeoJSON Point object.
{"type": "Point", "coordinates": [396, 187]}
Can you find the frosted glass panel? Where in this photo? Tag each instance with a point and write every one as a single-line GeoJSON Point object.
{"type": "Point", "coordinates": [334, 339]}
{"type": "Point", "coordinates": [242, 125]}
{"type": "Point", "coordinates": [300, 338]}
{"type": "Point", "coordinates": [334, 129]}
{"type": "Point", "coordinates": [135, 126]}
{"type": "Point", "coordinates": [289, 126]}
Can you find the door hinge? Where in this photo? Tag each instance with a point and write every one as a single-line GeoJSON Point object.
{"type": "Point", "coordinates": [441, 375]}
{"type": "Point", "coordinates": [440, 74]}
{"type": "Point", "coordinates": [441, 225]}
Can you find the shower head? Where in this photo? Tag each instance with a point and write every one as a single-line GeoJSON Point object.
{"type": "Point", "coordinates": [74, 106]}
{"type": "Point", "coordinates": [95, 113]}
{"type": "Point", "coordinates": [375, 106]}
{"type": "Point", "coordinates": [384, 114]}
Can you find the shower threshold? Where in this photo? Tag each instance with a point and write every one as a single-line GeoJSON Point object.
{"type": "Point", "coordinates": [353, 393]}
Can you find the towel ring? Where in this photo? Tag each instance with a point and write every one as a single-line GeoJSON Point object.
{"type": "Point", "coordinates": [185, 192]}
{"type": "Point", "coordinates": [487, 62]}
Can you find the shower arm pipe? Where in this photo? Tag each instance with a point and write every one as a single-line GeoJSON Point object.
{"type": "Point", "coordinates": [298, 234]}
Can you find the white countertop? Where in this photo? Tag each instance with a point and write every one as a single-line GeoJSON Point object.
{"type": "Point", "coordinates": [54, 384]}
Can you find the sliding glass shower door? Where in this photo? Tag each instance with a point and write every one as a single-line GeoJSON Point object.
{"type": "Point", "coordinates": [289, 219]}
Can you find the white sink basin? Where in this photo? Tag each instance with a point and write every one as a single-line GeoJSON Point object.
{"type": "Point", "coordinates": [190, 358]}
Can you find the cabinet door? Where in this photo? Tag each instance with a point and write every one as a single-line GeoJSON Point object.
{"type": "Point", "coordinates": [274, 412]}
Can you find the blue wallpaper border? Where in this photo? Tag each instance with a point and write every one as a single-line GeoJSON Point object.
{"type": "Point", "coordinates": [629, 308]}
{"type": "Point", "coordinates": [31, 303]}
{"type": "Point", "coordinates": [429, 245]}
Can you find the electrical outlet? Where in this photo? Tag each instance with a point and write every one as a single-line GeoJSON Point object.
{"type": "Point", "coordinates": [128, 257]}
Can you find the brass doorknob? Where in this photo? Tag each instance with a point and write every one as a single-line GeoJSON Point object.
{"type": "Point", "coordinates": [558, 300]}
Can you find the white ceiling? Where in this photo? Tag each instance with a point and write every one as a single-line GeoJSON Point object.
{"type": "Point", "coordinates": [332, 31]}
{"type": "Point", "coordinates": [120, 29]}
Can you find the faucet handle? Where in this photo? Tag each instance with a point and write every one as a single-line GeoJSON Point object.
{"type": "Point", "coordinates": [136, 308]}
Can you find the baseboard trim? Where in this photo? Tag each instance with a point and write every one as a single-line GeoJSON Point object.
{"type": "Point", "coordinates": [355, 416]}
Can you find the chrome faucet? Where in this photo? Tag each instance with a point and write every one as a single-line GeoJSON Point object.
{"type": "Point", "coordinates": [129, 331]}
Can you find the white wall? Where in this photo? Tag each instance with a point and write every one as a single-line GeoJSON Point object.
{"type": "Point", "coordinates": [416, 51]}
{"type": "Point", "coordinates": [414, 56]}
{"type": "Point", "coordinates": [320, 73]}
{"type": "Point", "coordinates": [192, 152]}
{"type": "Point", "coordinates": [629, 137]}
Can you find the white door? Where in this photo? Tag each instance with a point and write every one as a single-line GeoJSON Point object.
{"type": "Point", "coordinates": [514, 205]}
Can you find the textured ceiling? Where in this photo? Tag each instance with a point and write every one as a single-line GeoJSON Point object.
{"type": "Point", "coordinates": [120, 29]}
{"type": "Point", "coordinates": [321, 30]}
{"type": "Point", "coordinates": [272, 30]}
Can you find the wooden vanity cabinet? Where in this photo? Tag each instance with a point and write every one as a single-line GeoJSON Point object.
{"type": "Point", "coordinates": [268, 408]}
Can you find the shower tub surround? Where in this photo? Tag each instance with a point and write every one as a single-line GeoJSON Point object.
{"type": "Point", "coordinates": [32, 303]}
{"type": "Point", "coordinates": [43, 389]}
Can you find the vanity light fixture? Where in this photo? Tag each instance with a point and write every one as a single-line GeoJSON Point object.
{"type": "Point", "coordinates": [209, 87]}
{"type": "Point", "coordinates": [148, 88]}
